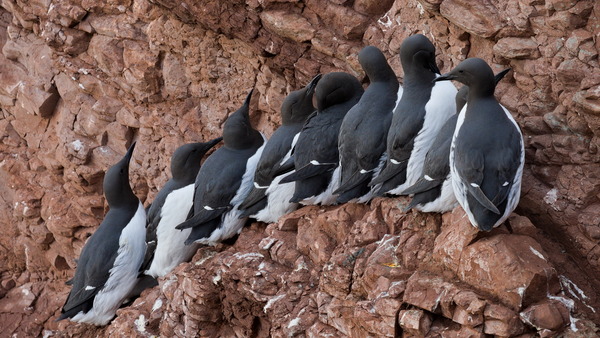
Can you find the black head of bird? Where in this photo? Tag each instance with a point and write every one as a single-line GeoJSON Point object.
{"type": "Point", "coordinates": [117, 190]}
{"type": "Point", "coordinates": [417, 55]}
{"type": "Point", "coordinates": [375, 64]}
{"type": "Point", "coordinates": [238, 132]}
{"type": "Point", "coordinates": [463, 93]}
{"type": "Point", "coordinates": [475, 73]}
{"type": "Point", "coordinates": [336, 88]}
{"type": "Point", "coordinates": [185, 161]}
{"type": "Point", "coordinates": [298, 105]}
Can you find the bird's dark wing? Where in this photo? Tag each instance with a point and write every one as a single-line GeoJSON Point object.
{"type": "Point", "coordinates": [216, 184]}
{"type": "Point", "coordinates": [93, 270]}
{"type": "Point", "coordinates": [255, 196]}
{"type": "Point", "coordinates": [317, 150]}
{"type": "Point", "coordinates": [203, 231]}
{"type": "Point", "coordinates": [309, 170]}
{"type": "Point", "coordinates": [269, 165]}
{"type": "Point", "coordinates": [470, 166]}
{"type": "Point", "coordinates": [506, 162]}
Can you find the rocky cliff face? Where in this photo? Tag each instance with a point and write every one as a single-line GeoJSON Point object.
{"type": "Point", "coordinates": [81, 79]}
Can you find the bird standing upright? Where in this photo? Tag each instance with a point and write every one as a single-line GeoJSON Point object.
{"type": "Point", "coordinates": [433, 190]}
{"type": "Point", "coordinates": [224, 180]}
{"type": "Point", "coordinates": [487, 152]}
{"type": "Point", "coordinates": [269, 199]}
{"type": "Point", "coordinates": [365, 127]}
{"type": "Point", "coordinates": [422, 111]}
{"type": "Point", "coordinates": [316, 153]}
{"type": "Point", "coordinates": [165, 248]}
{"type": "Point", "coordinates": [107, 268]}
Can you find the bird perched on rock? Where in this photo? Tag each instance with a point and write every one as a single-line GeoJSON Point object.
{"type": "Point", "coordinates": [224, 180]}
{"type": "Point", "coordinates": [269, 199]}
{"type": "Point", "coordinates": [422, 111]}
{"type": "Point", "coordinates": [433, 190]}
{"type": "Point", "coordinates": [107, 268]}
{"type": "Point", "coordinates": [165, 248]}
{"type": "Point", "coordinates": [316, 154]}
{"type": "Point", "coordinates": [487, 152]}
{"type": "Point", "coordinates": [364, 129]}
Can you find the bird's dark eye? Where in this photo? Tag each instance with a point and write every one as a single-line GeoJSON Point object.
{"type": "Point", "coordinates": [460, 71]}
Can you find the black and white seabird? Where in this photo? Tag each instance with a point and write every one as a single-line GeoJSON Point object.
{"type": "Point", "coordinates": [316, 155]}
{"type": "Point", "coordinates": [365, 127]}
{"type": "Point", "coordinates": [433, 190]}
{"type": "Point", "coordinates": [224, 181]}
{"type": "Point", "coordinates": [165, 248]}
{"type": "Point", "coordinates": [107, 268]}
{"type": "Point", "coordinates": [269, 199]}
{"type": "Point", "coordinates": [422, 111]}
{"type": "Point", "coordinates": [487, 151]}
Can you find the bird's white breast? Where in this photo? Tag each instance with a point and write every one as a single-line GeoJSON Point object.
{"type": "Point", "coordinates": [170, 248]}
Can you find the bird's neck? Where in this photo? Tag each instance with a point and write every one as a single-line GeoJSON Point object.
{"type": "Point", "coordinates": [481, 91]}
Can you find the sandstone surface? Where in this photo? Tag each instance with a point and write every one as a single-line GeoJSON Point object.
{"type": "Point", "coordinates": [80, 80]}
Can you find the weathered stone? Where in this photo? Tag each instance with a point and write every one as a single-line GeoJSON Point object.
{"type": "Point", "coordinates": [457, 232]}
{"type": "Point", "coordinates": [517, 48]}
{"type": "Point", "coordinates": [18, 300]}
{"type": "Point", "coordinates": [431, 5]}
{"type": "Point", "coordinates": [288, 25]}
{"type": "Point", "coordinates": [501, 321]}
{"type": "Point", "coordinates": [431, 293]}
{"type": "Point", "coordinates": [589, 100]}
{"type": "Point", "coordinates": [36, 100]}
{"type": "Point", "coordinates": [342, 19]}
{"type": "Point", "coordinates": [513, 268]}
{"type": "Point", "coordinates": [476, 17]}
{"type": "Point", "coordinates": [108, 53]}
{"type": "Point", "coordinates": [544, 316]}
{"type": "Point", "coordinates": [372, 7]}
{"type": "Point", "coordinates": [414, 322]}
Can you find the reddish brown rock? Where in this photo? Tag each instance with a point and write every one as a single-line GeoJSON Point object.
{"type": "Point", "coordinates": [167, 72]}
{"type": "Point", "coordinates": [372, 7]}
{"type": "Point", "coordinates": [517, 48]}
{"type": "Point", "coordinates": [288, 25]}
{"type": "Point", "coordinates": [479, 17]}
{"type": "Point", "coordinates": [349, 23]}
{"type": "Point", "coordinates": [546, 316]}
{"type": "Point", "coordinates": [457, 232]}
{"type": "Point", "coordinates": [414, 322]}
{"type": "Point", "coordinates": [502, 321]}
{"type": "Point", "coordinates": [37, 101]}
{"type": "Point", "coordinates": [514, 268]}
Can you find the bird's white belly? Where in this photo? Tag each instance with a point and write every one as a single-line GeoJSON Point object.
{"type": "Point", "coordinates": [278, 197]}
{"type": "Point", "coordinates": [123, 274]}
{"type": "Point", "coordinates": [170, 248]}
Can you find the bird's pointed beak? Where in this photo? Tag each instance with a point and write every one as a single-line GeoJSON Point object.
{"type": "Point", "coordinates": [501, 75]}
{"type": "Point", "coordinates": [129, 153]}
{"type": "Point", "coordinates": [214, 142]}
{"type": "Point", "coordinates": [445, 77]}
{"type": "Point", "coordinates": [245, 109]}
{"type": "Point", "coordinates": [434, 68]}
{"type": "Point", "coordinates": [248, 98]}
{"type": "Point", "coordinates": [206, 146]}
{"type": "Point", "coordinates": [310, 87]}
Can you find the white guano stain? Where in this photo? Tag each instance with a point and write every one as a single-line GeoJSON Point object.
{"type": "Point", "coordinates": [537, 253]}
